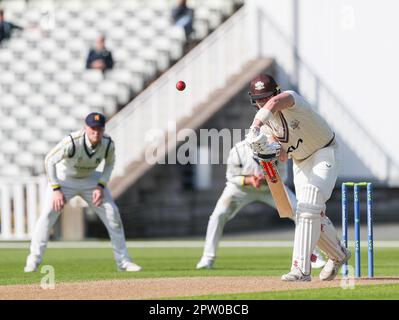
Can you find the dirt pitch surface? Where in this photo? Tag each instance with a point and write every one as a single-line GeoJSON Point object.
{"type": "Point", "coordinates": [166, 287]}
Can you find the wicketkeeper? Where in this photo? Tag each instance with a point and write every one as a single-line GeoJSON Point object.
{"type": "Point", "coordinates": [71, 171]}
{"type": "Point", "coordinates": [302, 134]}
{"type": "Point", "coordinates": [245, 184]}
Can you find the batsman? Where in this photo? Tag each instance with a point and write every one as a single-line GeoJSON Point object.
{"type": "Point", "coordinates": [285, 126]}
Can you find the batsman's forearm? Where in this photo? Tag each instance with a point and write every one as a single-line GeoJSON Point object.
{"type": "Point", "coordinates": [261, 117]}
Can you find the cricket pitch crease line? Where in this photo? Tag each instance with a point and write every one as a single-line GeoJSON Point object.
{"type": "Point", "coordinates": [180, 244]}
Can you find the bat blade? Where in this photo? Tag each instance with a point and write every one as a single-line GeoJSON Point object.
{"type": "Point", "coordinates": [277, 189]}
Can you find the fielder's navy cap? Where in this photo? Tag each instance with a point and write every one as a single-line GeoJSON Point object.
{"type": "Point", "coordinates": [95, 119]}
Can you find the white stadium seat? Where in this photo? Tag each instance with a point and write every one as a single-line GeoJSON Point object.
{"type": "Point", "coordinates": [65, 100]}
{"type": "Point", "coordinates": [120, 76]}
{"type": "Point", "coordinates": [75, 26]}
{"type": "Point", "coordinates": [52, 113]}
{"type": "Point", "coordinates": [25, 159]}
{"type": "Point", "coordinates": [7, 79]}
{"type": "Point", "coordinates": [90, 35]}
{"type": "Point", "coordinates": [20, 69]}
{"type": "Point", "coordinates": [37, 123]}
{"type": "Point", "coordinates": [62, 56]}
{"type": "Point", "coordinates": [92, 76]}
{"type": "Point", "coordinates": [48, 46]}
{"type": "Point", "coordinates": [64, 77]}
{"type": "Point", "coordinates": [22, 113]}
{"type": "Point", "coordinates": [8, 123]}
{"type": "Point", "coordinates": [76, 66]}
{"type": "Point", "coordinates": [60, 35]}
{"type": "Point", "coordinates": [37, 102]}
{"type": "Point", "coordinates": [90, 17]}
{"type": "Point", "coordinates": [109, 89]}
{"type": "Point", "coordinates": [33, 17]}
{"type": "Point", "coordinates": [8, 101]}
{"type": "Point", "coordinates": [133, 26]}
{"type": "Point", "coordinates": [68, 124]}
{"type": "Point", "coordinates": [77, 48]}
{"type": "Point", "coordinates": [177, 33]}
{"type": "Point", "coordinates": [62, 18]}
{"type": "Point", "coordinates": [38, 147]}
{"type": "Point", "coordinates": [133, 45]}
{"type": "Point", "coordinates": [51, 90]}
{"type": "Point", "coordinates": [33, 37]}
{"type": "Point", "coordinates": [22, 135]}
{"type": "Point", "coordinates": [49, 68]}
{"type": "Point", "coordinates": [18, 46]}
{"type": "Point", "coordinates": [95, 100]}
{"type": "Point", "coordinates": [35, 77]}
{"type": "Point", "coordinates": [79, 88]}
{"type": "Point", "coordinates": [9, 147]}
{"type": "Point", "coordinates": [79, 111]}
{"type": "Point", "coordinates": [6, 56]}
{"type": "Point", "coordinates": [10, 169]}
{"type": "Point", "coordinates": [52, 135]}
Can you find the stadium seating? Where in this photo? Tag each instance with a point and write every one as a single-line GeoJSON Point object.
{"type": "Point", "coordinates": [45, 90]}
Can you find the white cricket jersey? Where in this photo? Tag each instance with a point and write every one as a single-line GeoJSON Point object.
{"type": "Point", "coordinates": [241, 163]}
{"type": "Point", "coordinates": [74, 157]}
{"type": "Point", "coordinates": [299, 129]}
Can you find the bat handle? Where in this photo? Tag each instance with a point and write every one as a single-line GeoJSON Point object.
{"type": "Point", "coordinates": [269, 170]}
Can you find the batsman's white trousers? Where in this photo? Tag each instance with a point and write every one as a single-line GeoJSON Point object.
{"type": "Point", "coordinates": [232, 200]}
{"type": "Point", "coordinates": [319, 172]}
{"type": "Point", "coordinates": [107, 211]}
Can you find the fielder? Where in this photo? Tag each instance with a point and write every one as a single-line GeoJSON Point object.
{"type": "Point", "coordinates": [285, 124]}
{"type": "Point", "coordinates": [71, 171]}
{"type": "Point", "coordinates": [245, 185]}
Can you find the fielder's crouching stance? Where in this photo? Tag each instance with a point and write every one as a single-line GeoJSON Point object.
{"type": "Point", "coordinates": [245, 184]}
{"type": "Point", "coordinates": [303, 135]}
{"type": "Point", "coordinates": [71, 170]}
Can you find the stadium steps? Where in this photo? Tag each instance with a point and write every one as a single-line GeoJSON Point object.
{"type": "Point", "coordinates": [201, 114]}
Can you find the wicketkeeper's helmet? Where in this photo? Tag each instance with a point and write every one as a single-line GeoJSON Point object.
{"type": "Point", "coordinates": [263, 86]}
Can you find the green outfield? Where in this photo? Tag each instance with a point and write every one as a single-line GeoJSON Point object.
{"type": "Point", "coordinates": [72, 265]}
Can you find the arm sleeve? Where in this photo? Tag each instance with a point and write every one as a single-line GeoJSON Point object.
{"type": "Point", "coordinates": [14, 26]}
{"type": "Point", "coordinates": [109, 165]}
{"type": "Point", "coordinates": [89, 60]}
{"type": "Point", "coordinates": [233, 173]}
{"type": "Point", "coordinates": [267, 131]}
{"type": "Point", "coordinates": [58, 153]}
{"type": "Point", "coordinates": [299, 101]}
{"type": "Point", "coordinates": [109, 62]}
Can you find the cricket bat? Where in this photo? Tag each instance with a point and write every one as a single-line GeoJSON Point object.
{"type": "Point", "coordinates": [277, 189]}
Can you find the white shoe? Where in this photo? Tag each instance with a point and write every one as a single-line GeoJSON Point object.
{"type": "Point", "coordinates": [129, 267]}
{"type": "Point", "coordinates": [31, 268]}
{"type": "Point", "coordinates": [332, 267]}
{"type": "Point", "coordinates": [317, 259]}
{"type": "Point", "coordinates": [296, 275]}
{"type": "Point", "coordinates": [205, 263]}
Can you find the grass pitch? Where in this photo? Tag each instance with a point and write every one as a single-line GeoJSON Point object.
{"type": "Point", "coordinates": [98, 264]}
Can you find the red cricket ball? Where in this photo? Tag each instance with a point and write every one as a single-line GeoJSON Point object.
{"type": "Point", "coordinates": [180, 85]}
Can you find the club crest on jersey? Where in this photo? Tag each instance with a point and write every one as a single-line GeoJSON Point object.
{"type": "Point", "coordinates": [259, 85]}
{"type": "Point", "coordinates": [294, 124]}
{"type": "Point", "coordinates": [98, 160]}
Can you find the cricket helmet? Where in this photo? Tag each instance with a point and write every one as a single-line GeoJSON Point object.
{"type": "Point", "coordinates": [263, 86]}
